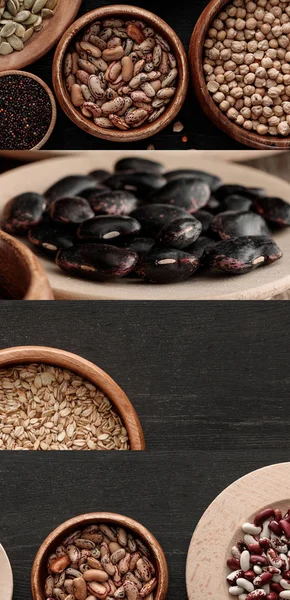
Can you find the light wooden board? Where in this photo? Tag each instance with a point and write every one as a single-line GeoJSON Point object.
{"type": "Point", "coordinates": [220, 528]}
{"type": "Point", "coordinates": [42, 41]}
{"type": "Point", "coordinates": [263, 283]}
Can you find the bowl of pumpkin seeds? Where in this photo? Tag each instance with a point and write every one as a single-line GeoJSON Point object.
{"type": "Point", "coordinates": [30, 28]}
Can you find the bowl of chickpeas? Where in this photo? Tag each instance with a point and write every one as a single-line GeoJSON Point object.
{"type": "Point", "coordinates": [240, 65]}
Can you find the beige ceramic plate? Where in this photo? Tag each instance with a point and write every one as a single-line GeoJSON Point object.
{"type": "Point", "coordinates": [220, 528]}
{"type": "Point", "coordinates": [262, 283]}
{"type": "Point", "coordinates": [41, 42]}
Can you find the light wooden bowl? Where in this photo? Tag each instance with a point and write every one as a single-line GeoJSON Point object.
{"type": "Point", "coordinates": [89, 371]}
{"type": "Point", "coordinates": [42, 41]}
{"type": "Point", "coordinates": [263, 283]}
{"type": "Point", "coordinates": [220, 528]}
{"type": "Point", "coordinates": [196, 49]}
{"type": "Point", "coordinates": [54, 539]}
{"type": "Point", "coordinates": [21, 275]}
{"type": "Point", "coordinates": [52, 101]}
{"type": "Point", "coordinates": [127, 12]}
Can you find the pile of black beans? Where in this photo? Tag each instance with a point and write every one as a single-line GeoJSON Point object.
{"type": "Point", "coordinates": [145, 222]}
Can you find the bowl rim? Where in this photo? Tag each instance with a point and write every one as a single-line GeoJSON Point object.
{"type": "Point", "coordinates": [51, 98]}
{"type": "Point", "coordinates": [105, 517]}
{"type": "Point", "coordinates": [220, 120]}
{"type": "Point", "coordinates": [89, 371]}
{"type": "Point", "coordinates": [39, 287]}
{"type": "Point", "coordinates": [114, 134]}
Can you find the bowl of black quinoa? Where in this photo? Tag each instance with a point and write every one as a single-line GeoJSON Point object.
{"type": "Point", "coordinates": [27, 111]}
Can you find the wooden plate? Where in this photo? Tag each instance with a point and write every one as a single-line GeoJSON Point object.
{"type": "Point", "coordinates": [263, 283]}
{"type": "Point", "coordinates": [220, 527]}
{"type": "Point", "coordinates": [42, 41]}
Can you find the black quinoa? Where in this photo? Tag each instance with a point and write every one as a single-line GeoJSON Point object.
{"type": "Point", "coordinates": [25, 112]}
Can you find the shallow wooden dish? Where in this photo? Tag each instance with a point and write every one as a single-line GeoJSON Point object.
{"type": "Point", "coordinates": [116, 135]}
{"type": "Point", "coordinates": [88, 370]}
{"type": "Point", "coordinates": [21, 275]}
{"type": "Point", "coordinates": [263, 283]}
{"type": "Point", "coordinates": [52, 101]}
{"type": "Point", "coordinates": [54, 539]}
{"type": "Point", "coordinates": [42, 41]}
{"type": "Point", "coordinates": [249, 138]}
{"type": "Point", "coordinates": [220, 528]}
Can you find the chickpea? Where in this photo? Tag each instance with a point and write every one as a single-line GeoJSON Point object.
{"type": "Point", "coordinates": [240, 120]}
{"type": "Point", "coordinates": [262, 129]}
{"type": "Point", "coordinates": [240, 24]}
{"type": "Point", "coordinates": [248, 125]}
{"type": "Point", "coordinates": [283, 128]}
{"type": "Point", "coordinates": [224, 106]}
{"type": "Point", "coordinates": [232, 113]}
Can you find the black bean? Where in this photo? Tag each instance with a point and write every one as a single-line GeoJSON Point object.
{"type": "Point", "coordinates": [73, 185]}
{"type": "Point", "coordinates": [113, 202]}
{"type": "Point", "coordinates": [99, 189]}
{"type": "Point", "coordinates": [23, 212]}
{"type": "Point", "coordinates": [180, 233]}
{"type": "Point", "coordinates": [200, 245]}
{"type": "Point", "coordinates": [274, 210]}
{"type": "Point", "coordinates": [242, 255]}
{"type": "Point", "coordinates": [205, 219]}
{"type": "Point", "coordinates": [98, 262]}
{"type": "Point", "coordinates": [138, 164]}
{"type": "Point", "coordinates": [167, 265]}
{"type": "Point", "coordinates": [213, 205]}
{"type": "Point", "coordinates": [51, 237]}
{"type": "Point", "coordinates": [140, 245]}
{"type": "Point", "coordinates": [155, 216]}
{"type": "Point", "coordinates": [213, 181]}
{"type": "Point", "coordinates": [100, 175]}
{"type": "Point", "coordinates": [247, 192]}
{"type": "Point", "coordinates": [189, 194]}
{"type": "Point", "coordinates": [237, 203]}
{"type": "Point", "coordinates": [232, 225]}
{"type": "Point", "coordinates": [108, 229]}
{"type": "Point", "coordinates": [139, 183]}
{"type": "Point", "coordinates": [71, 210]}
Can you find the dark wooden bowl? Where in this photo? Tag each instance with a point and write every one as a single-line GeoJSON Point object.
{"type": "Point", "coordinates": [21, 275]}
{"type": "Point", "coordinates": [38, 573]}
{"type": "Point", "coordinates": [116, 135]}
{"type": "Point", "coordinates": [87, 370]}
{"type": "Point", "coordinates": [51, 98]}
{"type": "Point", "coordinates": [249, 138]}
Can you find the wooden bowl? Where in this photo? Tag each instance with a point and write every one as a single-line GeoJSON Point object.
{"type": "Point", "coordinates": [196, 49]}
{"type": "Point", "coordinates": [220, 528]}
{"type": "Point", "coordinates": [54, 539]}
{"type": "Point", "coordinates": [21, 275]}
{"type": "Point", "coordinates": [42, 41]}
{"type": "Point", "coordinates": [127, 12]}
{"type": "Point", "coordinates": [87, 370]}
{"type": "Point", "coordinates": [52, 101]}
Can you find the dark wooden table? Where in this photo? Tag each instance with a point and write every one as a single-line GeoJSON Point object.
{"type": "Point", "coordinates": [201, 133]}
{"type": "Point", "coordinates": [210, 382]}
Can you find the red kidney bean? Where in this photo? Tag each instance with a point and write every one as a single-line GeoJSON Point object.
{"type": "Point", "coordinates": [256, 595]}
{"type": "Point", "coordinates": [286, 527]}
{"type": "Point", "coordinates": [286, 575]}
{"type": "Point", "coordinates": [263, 516]}
{"type": "Point", "coordinates": [259, 560]}
{"type": "Point", "coordinates": [233, 563]}
{"type": "Point", "coordinates": [255, 548]}
{"type": "Point", "coordinates": [272, 596]}
{"type": "Point", "coordinates": [265, 543]}
{"type": "Point", "coordinates": [276, 587]}
{"type": "Point", "coordinates": [278, 514]}
{"type": "Point", "coordinates": [275, 527]}
{"type": "Point", "coordinates": [250, 575]}
{"type": "Point", "coordinates": [263, 579]}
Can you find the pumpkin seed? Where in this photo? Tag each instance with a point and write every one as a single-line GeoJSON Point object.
{"type": "Point", "coordinates": [8, 29]}
{"type": "Point", "coordinates": [5, 48]}
{"type": "Point", "coordinates": [22, 16]}
{"type": "Point", "coordinates": [16, 43]}
{"type": "Point", "coordinates": [38, 6]}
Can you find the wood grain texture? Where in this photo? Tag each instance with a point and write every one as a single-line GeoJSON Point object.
{"type": "Point", "coordinates": [51, 98]}
{"type": "Point", "coordinates": [21, 275]}
{"type": "Point", "coordinates": [42, 41]}
{"type": "Point", "coordinates": [196, 50]}
{"type": "Point", "coordinates": [88, 370]}
{"type": "Point", "coordinates": [55, 538]}
{"type": "Point", "coordinates": [221, 527]}
{"type": "Point", "coordinates": [199, 130]}
{"type": "Point", "coordinates": [198, 374]}
{"type": "Point", "coordinates": [126, 12]}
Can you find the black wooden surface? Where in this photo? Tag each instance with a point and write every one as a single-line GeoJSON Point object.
{"type": "Point", "coordinates": [197, 373]}
{"type": "Point", "coordinates": [201, 133]}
